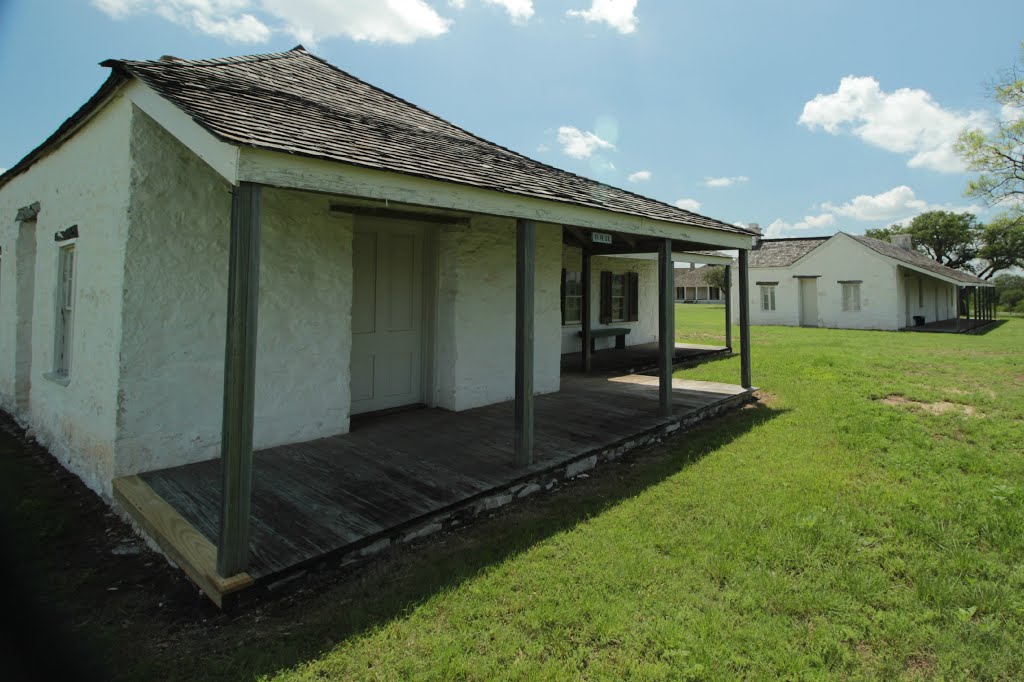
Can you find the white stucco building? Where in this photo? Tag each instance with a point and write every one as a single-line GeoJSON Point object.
{"type": "Point", "coordinates": [382, 257]}
{"type": "Point", "coordinates": [856, 282]}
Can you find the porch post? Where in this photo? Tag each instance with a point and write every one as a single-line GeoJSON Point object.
{"type": "Point", "coordinates": [744, 303]}
{"type": "Point", "coordinates": [728, 307]}
{"type": "Point", "coordinates": [959, 305]}
{"type": "Point", "coordinates": [526, 237]}
{"type": "Point", "coordinates": [585, 312]}
{"type": "Point", "coordinates": [239, 380]}
{"type": "Point", "coordinates": [666, 326]}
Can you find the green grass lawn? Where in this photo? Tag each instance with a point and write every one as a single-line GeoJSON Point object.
{"type": "Point", "coordinates": [821, 534]}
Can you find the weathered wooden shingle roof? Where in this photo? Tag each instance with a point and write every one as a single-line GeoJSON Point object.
{"type": "Point", "coordinates": [694, 277]}
{"type": "Point", "coordinates": [780, 253]}
{"type": "Point", "coordinates": [916, 259]}
{"type": "Point", "coordinates": [297, 103]}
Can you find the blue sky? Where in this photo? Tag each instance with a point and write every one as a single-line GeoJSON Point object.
{"type": "Point", "coordinates": [806, 117]}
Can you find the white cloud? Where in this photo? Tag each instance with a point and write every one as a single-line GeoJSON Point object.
{"type": "Point", "coordinates": [898, 204]}
{"type": "Point", "coordinates": [906, 121]}
{"type": "Point", "coordinates": [580, 144]}
{"type": "Point", "coordinates": [688, 204]}
{"type": "Point", "coordinates": [309, 21]}
{"type": "Point", "coordinates": [519, 10]}
{"type": "Point", "coordinates": [640, 176]}
{"type": "Point", "coordinates": [725, 181]}
{"type": "Point", "coordinates": [382, 21]}
{"type": "Point", "coordinates": [227, 19]}
{"type": "Point", "coordinates": [619, 14]}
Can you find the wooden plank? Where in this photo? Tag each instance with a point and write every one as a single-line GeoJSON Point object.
{"type": "Point", "coordinates": [239, 379]}
{"type": "Point", "coordinates": [526, 240]}
{"type": "Point", "coordinates": [744, 303]}
{"type": "Point", "coordinates": [666, 326]}
{"type": "Point", "coordinates": [185, 545]}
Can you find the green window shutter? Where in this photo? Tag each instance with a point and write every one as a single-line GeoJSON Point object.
{"type": "Point", "coordinates": [632, 296]}
{"type": "Point", "coordinates": [606, 297]}
{"type": "Point", "coordinates": [563, 295]}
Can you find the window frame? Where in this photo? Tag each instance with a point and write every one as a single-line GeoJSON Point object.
{"type": "Point", "coordinates": [619, 278]}
{"type": "Point", "coordinates": [570, 279]}
{"type": "Point", "coordinates": [855, 298]}
{"type": "Point", "coordinates": [65, 298]}
{"type": "Point", "coordinates": [768, 294]}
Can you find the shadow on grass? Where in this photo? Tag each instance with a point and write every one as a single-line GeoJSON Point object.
{"type": "Point", "coordinates": [330, 604]}
{"type": "Point", "coordinates": [988, 328]}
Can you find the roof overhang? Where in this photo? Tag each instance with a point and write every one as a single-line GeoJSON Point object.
{"type": "Point", "coordinates": [682, 257]}
{"type": "Point", "coordinates": [289, 171]}
{"type": "Point", "coordinates": [935, 275]}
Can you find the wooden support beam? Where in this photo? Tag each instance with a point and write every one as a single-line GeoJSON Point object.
{"type": "Point", "coordinates": [526, 240]}
{"type": "Point", "coordinates": [239, 380]}
{"type": "Point", "coordinates": [959, 305]}
{"type": "Point", "coordinates": [728, 306]}
{"type": "Point", "coordinates": [666, 326]}
{"type": "Point", "coordinates": [744, 303]}
{"type": "Point", "coordinates": [585, 312]}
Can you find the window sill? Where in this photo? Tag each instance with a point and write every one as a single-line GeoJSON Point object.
{"type": "Point", "coordinates": [59, 379]}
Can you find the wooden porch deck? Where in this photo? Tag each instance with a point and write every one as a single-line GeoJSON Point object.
{"type": "Point", "coordinates": [949, 326]}
{"type": "Point", "coordinates": [395, 472]}
{"type": "Point", "coordinates": [639, 358]}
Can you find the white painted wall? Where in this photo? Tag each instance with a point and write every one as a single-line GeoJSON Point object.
{"type": "Point", "coordinates": [644, 330]}
{"type": "Point", "coordinates": [476, 312]}
{"type": "Point", "coordinates": [171, 388]}
{"type": "Point", "coordinates": [938, 301]}
{"type": "Point", "coordinates": [838, 259]}
{"type": "Point", "coordinates": [85, 182]}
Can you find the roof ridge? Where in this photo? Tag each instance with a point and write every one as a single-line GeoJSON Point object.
{"type": "Point", "coordinates": [296, 51]}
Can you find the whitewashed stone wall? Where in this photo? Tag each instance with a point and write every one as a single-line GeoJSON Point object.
{"type": "Point", "coordinates": [937, 303]}
{"type": "Point", "coordinates": [476, 312]}
{"type": "Point", "coordinates": [85, 182]}
{"type": "Point", "coordinates": [841, 258]}
{"type": "Point", "coordinates": [171, 389]}
{"type": "Point", "coordinates": [644, 330]}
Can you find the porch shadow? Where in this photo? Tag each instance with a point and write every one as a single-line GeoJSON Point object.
{"type": "Point", "coordinates": [330, 604]}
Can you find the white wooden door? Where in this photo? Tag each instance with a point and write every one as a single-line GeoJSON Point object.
{"type": "Point", "coordinates": [808, 302]}
{"type": "Point", "coordinates": [387, 315]}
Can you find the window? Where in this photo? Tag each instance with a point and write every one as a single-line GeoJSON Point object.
{"type": "Point", "coordinates": [65, 310]}
{"type": "Point", "coordinates": [768, 298]}
{"type": "Point", "coordinates": [572, 298]}
{"type": "Point", "coordinates": [620, 297]}
{"type": "Point", "coordinates": [920, 292]}
{"type": "Point", "coordinates": [851, 297]}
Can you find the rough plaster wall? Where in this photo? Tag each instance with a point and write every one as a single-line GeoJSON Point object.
{"type": "Point", "coordinates": [476, 312]}
{"type": "Point", "coordinates": [83, 182]}
{"type": "Point", "coordinates": [839, 259]}
{"type": "Point", "coordinates": [171, 393]}
{"type": "Point", "coordinates": [644, 330]}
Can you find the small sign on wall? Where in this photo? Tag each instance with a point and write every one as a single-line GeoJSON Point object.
{"type": "Point", "coordinates": [601, 237]}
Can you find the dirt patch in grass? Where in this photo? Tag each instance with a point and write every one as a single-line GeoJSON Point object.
{"type": "Point", "coordinates": [765, 397]}
{"type": "Point", "coordinates": [940, 407]}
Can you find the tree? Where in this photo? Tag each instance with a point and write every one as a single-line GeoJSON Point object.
{"type": "Point", "coordinates": [1010, 289]}
{"type": "Point", "coordinates": [1002, 245]}
{"type": "Point", "coordinates": [714, 276]}
{"type": "Point", "coordinates": [952, 239]}
{"type": "Point", "coordinates": [998, 154]}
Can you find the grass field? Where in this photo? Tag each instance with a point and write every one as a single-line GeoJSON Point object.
{"type": "Point", "coordinates": [865, 520]}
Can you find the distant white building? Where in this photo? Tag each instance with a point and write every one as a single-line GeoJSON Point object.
{"type": "Point", "coordinates": [856, 282]}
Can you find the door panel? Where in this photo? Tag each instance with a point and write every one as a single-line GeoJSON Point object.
{"type": "Point", "coordinates": [387, 316]}
{"type": "Point", "coordinates": [809, 302]}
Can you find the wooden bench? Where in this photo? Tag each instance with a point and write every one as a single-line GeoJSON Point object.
{"type": "Point", "coordinates": [618, 332]}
